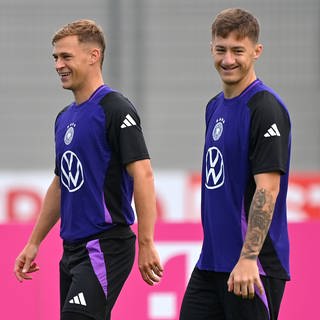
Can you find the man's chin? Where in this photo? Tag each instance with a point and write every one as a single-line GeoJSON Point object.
{"type": "Point", "coordinates": [229, 81]}
{"type": "Point", "coordinates": [66, 86]}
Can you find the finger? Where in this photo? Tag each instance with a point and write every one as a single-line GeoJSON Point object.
{"type": "Point", "coordinates": [152, 276]}
{"type": "Point", "coordinates": [160, 267]}
{"type": "Point", "coordinates": [144, 274]}
{"type": "Point", "coordinates": [244, 290]}
{"type": "Point", "coordinates": [158, 270]}
{"type": "Point", "coordinates": [230, 284]}
{"type": "Point", "coordinates": [237, 288]}
{"type": "Point", "coordinates": [33, 268]}
{"type": "Point", "coordinates": [149, 276]}
{"type": "Point", "coordinates": [26, 276]}
{"type": "Point", "coordinates": [251, 290]}
{"type": "Point", "coordinates": [22, 276]}
{"type": "Point", "coordinates": [18, 276]}
{"type": "Point", "coordinates": [259, 286]}
{"type": "Point", "coordinates": [26, 265]}
{"type": "Point", "coordinates": [146, 278]}
{"type": "Point", "coordinates": [18, 268]}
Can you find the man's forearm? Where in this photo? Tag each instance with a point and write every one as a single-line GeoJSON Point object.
{"type": "Point", "coordinates": [49, 215]}
{"type": "Point", "coordinates": [260, 217]}
{"type": "Point", "coordinates": [146, 209]}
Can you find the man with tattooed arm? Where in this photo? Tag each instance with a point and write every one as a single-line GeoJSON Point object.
{"type": "Point", "coordinates": [244, 262]}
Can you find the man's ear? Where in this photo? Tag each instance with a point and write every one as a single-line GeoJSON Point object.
{"type": "Point", "coordinates": [258, 51]}
{"type": "Point", "coordinates": [95, 55]}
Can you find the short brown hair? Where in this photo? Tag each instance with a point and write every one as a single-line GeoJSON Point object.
{"type": "Point", "coordinates": [86, 31]}
{"type": "Point", "coordinates": [238, 20]}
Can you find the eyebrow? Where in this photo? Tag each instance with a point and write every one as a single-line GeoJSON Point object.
{"type": "Point", "coordinates": [61, 54]}
{"type": "Point", "coordinates": [232, 47]}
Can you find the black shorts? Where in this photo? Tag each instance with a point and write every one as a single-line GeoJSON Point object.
{"type": "Point", "coordinates": [93, 271]}
{"type": "Point", "coordinates": [207, 297]}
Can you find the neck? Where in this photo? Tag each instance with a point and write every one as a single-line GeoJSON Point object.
{"type": "Point", "coordinates": [232, 90]}
{"type": "Point", "coordinates": [83, 93]}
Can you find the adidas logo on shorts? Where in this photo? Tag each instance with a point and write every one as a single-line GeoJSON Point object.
{"type": "Point", "coordinates": [78, 299]}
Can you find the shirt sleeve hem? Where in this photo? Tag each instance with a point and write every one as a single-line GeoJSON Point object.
{"type": "Point", "coordinates": [269, 169]}
{"type": "Point", "coordinates": [133, 159]}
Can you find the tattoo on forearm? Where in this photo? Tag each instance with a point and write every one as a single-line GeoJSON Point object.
{"type": "Point", "coordinates": [260, 216]}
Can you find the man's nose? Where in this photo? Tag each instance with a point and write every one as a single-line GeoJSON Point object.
{"type": "Point", "coordinates": [228, 58]}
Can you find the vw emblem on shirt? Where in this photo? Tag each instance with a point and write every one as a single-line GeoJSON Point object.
{"type": "Point", "coordinates": [217, 130]}
{"type": "Point", "coordinates": [214, 169]}
{"type": "Point", "coordinates": [71, 171]}
{"type": "Point", "coordinates": [69, 135]}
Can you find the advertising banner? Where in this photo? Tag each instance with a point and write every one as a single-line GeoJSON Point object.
{"type": "Point", "coordinates": [179, 247]}
{"type": "Point", "coordinates": [178, 196]}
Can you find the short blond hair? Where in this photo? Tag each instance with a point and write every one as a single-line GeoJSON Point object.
{"type": "Point", "coordinates": [86, 31]}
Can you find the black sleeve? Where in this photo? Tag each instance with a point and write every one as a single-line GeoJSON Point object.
{"type": "Point", "coordinates": [269, 134]}
{"type": "Point", "coordinates": [124, 133]}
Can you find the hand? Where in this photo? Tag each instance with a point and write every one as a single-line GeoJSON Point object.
{"type": "Point", "coordinates": [24, 264]}
{"type": "Point", "coordinates": [244, 278]}
{"type": "Point", "coordinates": [149, 264]}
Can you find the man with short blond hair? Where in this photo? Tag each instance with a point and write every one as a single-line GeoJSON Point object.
{"type": "Point", "coordinates": [101, 161]}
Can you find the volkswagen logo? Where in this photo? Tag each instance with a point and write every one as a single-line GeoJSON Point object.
{"type": "Point", "coordinates": [214, 168]}
{"type": "Point", "coordinates": [71, 171]}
